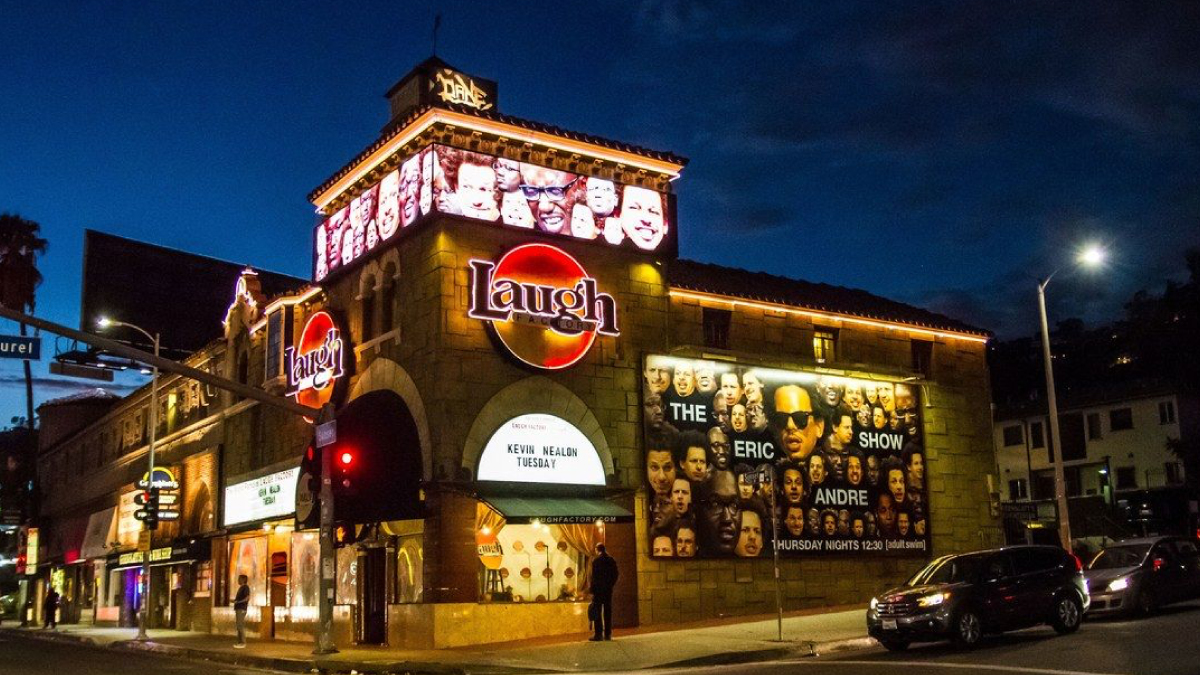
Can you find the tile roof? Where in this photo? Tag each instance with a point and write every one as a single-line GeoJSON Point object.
{"type": "Point", "coordinates": [396, 126]}
{"type": "Point", "coordinates": [719, 279]}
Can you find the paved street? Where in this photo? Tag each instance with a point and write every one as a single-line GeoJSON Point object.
{"type": "Point", "coordinates": [1166, 644]}
{"type": "Point", "coordinates": [34, 657]}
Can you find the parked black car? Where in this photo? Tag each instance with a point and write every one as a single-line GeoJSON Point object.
{"type": "Point", "coordinates": [963, 596]}
{"type": "Point", "coordinates": [1141, 575]}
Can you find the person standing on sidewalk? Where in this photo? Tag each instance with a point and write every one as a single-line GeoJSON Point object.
{"type": "Point", "coordinates": [49, 609]}
{"type": "Point", "coordinates": [604, 578]}
{"type": "Point", "coordinates": [241, 602]}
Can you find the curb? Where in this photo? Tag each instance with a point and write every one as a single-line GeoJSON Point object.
{"type": "Point", "coordinates": [799, 649]}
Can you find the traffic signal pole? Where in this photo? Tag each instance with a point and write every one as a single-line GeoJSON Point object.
{"type": "Point", "coordinates": [328, 563]}
{"type": "Point", "coordinates": [151, 521]}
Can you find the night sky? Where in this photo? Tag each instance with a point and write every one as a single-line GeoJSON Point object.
{"type": "Point", "coordinates": [940, 154]}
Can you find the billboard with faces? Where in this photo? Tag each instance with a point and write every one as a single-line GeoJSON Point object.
{"type": "Point", "coordinates": [512, 194]}
{"type": "Point", "coordinates": [839, 461]}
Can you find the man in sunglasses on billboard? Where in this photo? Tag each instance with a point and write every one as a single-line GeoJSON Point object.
{"type": "Point", "coordinates": [797, 427]}
{"type": "Point", "coordinates": [550, 197]}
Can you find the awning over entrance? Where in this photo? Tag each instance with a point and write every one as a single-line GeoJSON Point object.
{"type": "Point", "coordinates": [101, 531]}
{"type": "Point", "coordinates": [558, 510]}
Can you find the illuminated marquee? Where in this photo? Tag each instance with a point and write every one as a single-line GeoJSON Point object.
{"type": "Point", "coordinates": [316, 362]}
{"type": "Point", "coordinates": [542, 304]}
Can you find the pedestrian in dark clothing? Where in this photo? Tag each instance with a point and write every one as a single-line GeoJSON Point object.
{"type": "Point", "coordinates": [604, 578]}
{"type": "Point", "coordinates": [50, 608]}
{"type": "Point", "coordinates": [241, 602]}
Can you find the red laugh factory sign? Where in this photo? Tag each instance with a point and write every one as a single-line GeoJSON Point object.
{"type": "Point", "coordinates": [542, 305]}
{"type": "Point", "coordinates": [316, 362]}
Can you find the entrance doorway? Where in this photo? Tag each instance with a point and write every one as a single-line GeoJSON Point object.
{"type": "Point", "coordinates": [372, 574]}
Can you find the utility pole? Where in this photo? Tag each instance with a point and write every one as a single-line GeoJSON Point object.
{"type": "Point", "coordinates": [328, 560]}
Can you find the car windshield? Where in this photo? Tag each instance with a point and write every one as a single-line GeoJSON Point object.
{"type": "Point", "coordinates": [1119, 556]}
{"type": "Point", "coordinates": [949, 570]}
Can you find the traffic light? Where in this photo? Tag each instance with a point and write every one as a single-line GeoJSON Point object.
{"type": "Point", "coordinates": [346, 470]}
{"type": "Point", "coordinates": [151, 507]}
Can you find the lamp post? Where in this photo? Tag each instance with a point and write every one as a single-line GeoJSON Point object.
{"type": "Point", "coordinates": [1090, 256]}
{"type": "Point", "coordinates": [143, 611]}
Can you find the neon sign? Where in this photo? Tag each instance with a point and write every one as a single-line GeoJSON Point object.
{"type": "Point", "coordinates": [316, 362]}
{"type": "Point", "coordinates": [541, 304]}
{"type": "Point", "coordinates": [454, 87]}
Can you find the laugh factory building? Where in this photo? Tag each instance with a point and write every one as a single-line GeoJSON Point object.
{"type": "Point", "coordinates": [522, 367]}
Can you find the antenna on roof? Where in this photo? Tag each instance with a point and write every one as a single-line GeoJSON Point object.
{"type": "Point", "coordinates": [437, 23]}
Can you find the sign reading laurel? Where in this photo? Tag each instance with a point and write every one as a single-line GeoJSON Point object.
{"type": "Point", "coordinates": [542, 304]}
{"type": "Point", "coordinates": [316, 362]}
{"type": "Point", "coordinates": [539, 448]}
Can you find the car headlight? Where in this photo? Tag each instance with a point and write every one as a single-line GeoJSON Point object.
{"type": "Point", "coordinates": [874, 603]}
{"type": "Point", "coordinates": [933, 600]}
{"type": "Point", "coordinates": [1119, 584]}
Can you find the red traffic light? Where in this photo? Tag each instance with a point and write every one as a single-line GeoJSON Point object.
{"type": "Point", "coordinates": [347, 458]}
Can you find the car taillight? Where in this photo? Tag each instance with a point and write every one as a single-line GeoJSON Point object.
{"type": "Point", "coordinates": [1078, 563]}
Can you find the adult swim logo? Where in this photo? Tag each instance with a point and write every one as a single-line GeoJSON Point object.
{"type": "Point", "coordinates": [542, 304]}
{"type": "Point", "coordinates": [316, 362]}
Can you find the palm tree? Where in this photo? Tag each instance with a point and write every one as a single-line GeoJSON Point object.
{"type": "Point", "coordinates": [20, 244]}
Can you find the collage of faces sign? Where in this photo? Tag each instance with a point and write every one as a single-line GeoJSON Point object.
{"type": "Point", "coordinates": [502, 191]}
{"type": "Point", "coordinates": [839, 462]}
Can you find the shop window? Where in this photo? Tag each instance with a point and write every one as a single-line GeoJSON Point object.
{"type": "Point", "coordinates": [1018, 488]}
{"type": "Point", "coordinates": [1126, 478]}
{"type": "Point", "coordinates": [922, 358]}
{"type": "Point", "coordinates": [347, 576]}
{"type": "Point", "coordinates": [249, 557]}
{"type": "Point", "coordinates": [304, 583]}
{"type": "Point", "coordinates": [1120, 419]}
{"type": "Point", "coordinates": [716, 327]}
{"type": "Point", "coordinates": [539, 563]}
{"type": "Point", "coordinates": [1037, 435]}
{"type": "Point", "coordinates": [825, 345]}
{"type": "Point", "coordinates": [1013, 435]}
{"type": "Point", "coordinates": [204, 580]}
{"type": "Point", "coordinates": [274, 355]}
{"type": "Point", "coordinates": [410, 569]}
{"type": "Point", "coordinates": [1166, 412]}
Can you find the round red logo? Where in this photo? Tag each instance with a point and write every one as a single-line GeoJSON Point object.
{"type": "Point", "coordinates": [542, 304]}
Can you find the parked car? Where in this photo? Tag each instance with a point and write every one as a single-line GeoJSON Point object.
{"type": "Point", "coordinates": [1141, 575]}
{"type": "Point", "coordinates": [964, 596]}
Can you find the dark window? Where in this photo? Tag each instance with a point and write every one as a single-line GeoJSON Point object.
{"type": "Point", "coordinates": [387, 300]}
{"type": "Point", "coordinates": [1166, 412]}
{"type": "Point", "coordinates": [1094, 430]}
{"type": "Point", "coordinates": [999, 566]}
{"type": "Point", "coordinates": [1120, 419]}
{"type": "Point", "coordinates": [922, 358]}
{"type": "Point", "coordinates": [1071, 430]}
{"type": "Point", "coordinates": [274, 356]}
{"type": "Point", "coordinates": [1126, 477]}
{"type": "Point", "coordinates": [1186, 549]}
{"type": "Point", "coordinates": [1072, 479]}
{"type": "Point", "coordinates": [1174, 472]}
{"type": "Point", "coordinates": [368, 317]}
{"type": "Point", "coordinates": [1043, 486]}
{"type": "Point", "coordinates": [825, 345]}
{"type": "Point", "coordinates": [243, 377]}
{"type": "Point", "coordinates": [1018, 488]}
{"type": "Point", "coordinates": [716, 327]}
{"type": "Point", "coordinates": [1013, 435]}
{"type": "Point", "coordinates": [1037, 435]}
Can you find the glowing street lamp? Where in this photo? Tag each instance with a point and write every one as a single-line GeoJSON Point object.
{"type": "Point", "coordinates": [1090, 256]}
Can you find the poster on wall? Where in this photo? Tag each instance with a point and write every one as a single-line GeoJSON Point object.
{"type": "Point", "coordinates": [509, 193]}
{"type": "Point", "coordinates": [839, 461]}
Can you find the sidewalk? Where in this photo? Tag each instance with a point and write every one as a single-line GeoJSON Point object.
{"type": "Point", "coordinates": [707, 643]}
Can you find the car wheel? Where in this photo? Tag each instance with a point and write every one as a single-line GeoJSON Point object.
{"type": "Point", "coordinates": [1067, 614]}
{"type": "Point", "coordinates": [1147, 603]}
{"type": "Point", "coordinates": [967, 629]}
{"type": "Point", "coordinates": [893, 645]}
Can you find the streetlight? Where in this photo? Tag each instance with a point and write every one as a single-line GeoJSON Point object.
{"type": "Point", "coordinates": [1091, 255]}
{"type": "Point", "coordinates": [143, 611]}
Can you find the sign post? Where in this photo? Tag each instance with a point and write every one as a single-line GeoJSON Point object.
{"type": "Point", "coordinates": [326, 588]}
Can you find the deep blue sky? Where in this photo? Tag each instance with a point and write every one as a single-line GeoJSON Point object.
{"type": "Point", "coordinates": [940, 154]}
